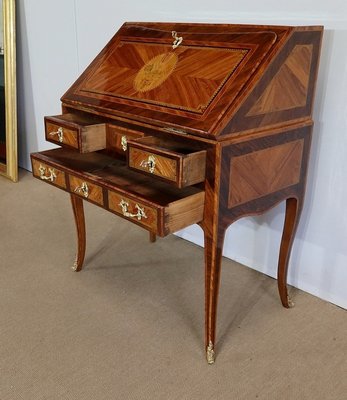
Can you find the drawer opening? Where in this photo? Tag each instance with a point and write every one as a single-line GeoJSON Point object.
{"type": "Point", "coordinates": [75, 120]}
{"type": "Point", "coordinates": [165, 144]}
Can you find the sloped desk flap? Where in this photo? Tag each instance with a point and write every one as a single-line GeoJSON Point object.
{"type": "Point", "coordinates": [185, 78]}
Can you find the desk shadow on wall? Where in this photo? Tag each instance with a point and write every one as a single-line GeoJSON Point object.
{"type": "Point", "coordinates": [27, 114]}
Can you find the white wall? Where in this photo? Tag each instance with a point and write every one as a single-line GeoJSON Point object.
{"type": "Point", "coordinates": [57, 40]}
{"type": "Point", "coordinates": [47, 64]}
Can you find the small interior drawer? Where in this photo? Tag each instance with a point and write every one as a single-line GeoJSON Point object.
{"type": "Point", "coordinates": [48, 173]}
{"type": "Point", "coordinates": [168, 160]}
{"type": "Point", "coordinates": [75, 131]}
{"type": "Point", "coordinates": [117, 138]}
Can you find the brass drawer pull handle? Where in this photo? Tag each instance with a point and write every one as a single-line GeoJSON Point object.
{"type": "Point", "coordinates": [60, 133]}
{"type": "Point", "coordinates": [124, 143]}
{"type": "Point", "coordinates": [52, 175]}
{"type": "Point", "coordinates": [150, 163]}
{"type": "Point", "coordinates": [83, 189]}
{"type": "Point", "coordinates": [140, 211]}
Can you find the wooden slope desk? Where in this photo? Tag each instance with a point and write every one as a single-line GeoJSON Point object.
{"type": "Point", "coordinates": [175, 124]}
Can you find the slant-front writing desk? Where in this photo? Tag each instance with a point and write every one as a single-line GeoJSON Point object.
{"type": "Point", "coordinates": [174, 124]}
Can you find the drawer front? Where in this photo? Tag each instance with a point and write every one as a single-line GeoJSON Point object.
{"type": "Point", "coordinates": [49, 174]}
{"type": "Point", "coordinates": [133, 210]}
{"type": "Point", "coordinates": [153, 163]}
{"type": "Point", "coordinates": [86, 189]}
{"type": "Point", "coordinates": [117, 138]}
{"type": "Point", "coordinates": [61, 135]}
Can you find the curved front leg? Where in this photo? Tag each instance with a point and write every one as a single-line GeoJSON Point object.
{"type": "Point", "coordinates": [213, 258]}
{"type": "Point", "coordinates": [293, 211]}
{"type": "Point", "coordinates": [77, 206]}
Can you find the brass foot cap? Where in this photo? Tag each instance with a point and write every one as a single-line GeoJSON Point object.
{"type": "Point", "coordinates": [291, 303]}
{"type": "Point", "coordinates": [74, 267]}
{"type": "Point", "coordinates": [210, 356]}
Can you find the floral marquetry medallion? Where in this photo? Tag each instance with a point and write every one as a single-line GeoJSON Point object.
{"type": "Point", "coordinates": [155, 72]}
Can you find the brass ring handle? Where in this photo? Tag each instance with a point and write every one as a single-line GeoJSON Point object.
{"type": "Point", "coordinates": [124, 143]}
{"type": "Point", "coordinates": [60, 133]}
{"type": "Point", "coordinates": [140, 211]}
{"type": "Point", "coordinates": [83, 189]}
{"type": "Point", "coordinates": [150, 163]}
{"type": "Point", "coordinates": [52, 175]}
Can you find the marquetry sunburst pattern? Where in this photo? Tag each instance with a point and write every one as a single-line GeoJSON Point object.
{"type": "Point", "coordinates": [264, 171]}
{"type": "Point", "coordinates": [187, 78]}
{"type": "Point", "coordinates": [288, 89]}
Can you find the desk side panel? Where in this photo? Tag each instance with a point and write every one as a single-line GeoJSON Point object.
{"type": "Point", "coordinates": [285, 92]}
{"type": "Point", "coordinates": [258, 174]}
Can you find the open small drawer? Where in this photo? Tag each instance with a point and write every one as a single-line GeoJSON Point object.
{"type": "Point", "coordinates": [74, 131]}
{"type": "Point", "coordinates": [169, 160]}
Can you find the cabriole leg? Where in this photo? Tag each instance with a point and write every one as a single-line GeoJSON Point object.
{"type": "Point", "coordinates": [293, 211]}
{"type": "Point", "coordinates": [77, 206]}
{"type": "Point", "coordinates": [213, 259]}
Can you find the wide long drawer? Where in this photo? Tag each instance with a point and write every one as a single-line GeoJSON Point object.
{"type": "Point", "coordinates": [107, 182]}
